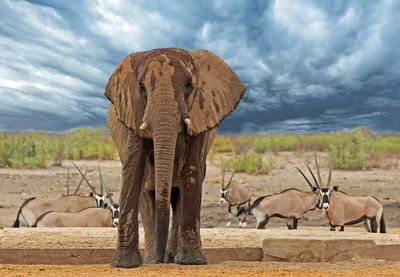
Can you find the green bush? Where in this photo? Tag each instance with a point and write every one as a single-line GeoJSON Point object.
{"type": "Point", "coordinates": [250, 163]}
{"type": "Point", "coordinates": [36, 148]}
{"type": "Point", "coordinates": [260, 146]}
{"type": "Point", "coordinates": [222, 144]}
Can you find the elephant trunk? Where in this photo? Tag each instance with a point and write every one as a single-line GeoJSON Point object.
{"type": "Point", "coordinates": [164, 128]}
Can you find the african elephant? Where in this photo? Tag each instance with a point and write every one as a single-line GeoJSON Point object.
{"type": "Point", "coordinates": [165, 106]}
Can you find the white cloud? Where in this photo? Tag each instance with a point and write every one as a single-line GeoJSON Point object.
{"type": "Point", "coordinates": [56, 58]}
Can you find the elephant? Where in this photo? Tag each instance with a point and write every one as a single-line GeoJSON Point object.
{"type": "Point", "coordinates": [165, 106]}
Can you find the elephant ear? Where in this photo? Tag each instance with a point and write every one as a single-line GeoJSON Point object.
{"type": "Point", "coordinates": [219, 91]}
{"type": "Point", "coordinates": [123, 92]}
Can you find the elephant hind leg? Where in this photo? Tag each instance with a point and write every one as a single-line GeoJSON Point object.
{"type": "Point", "coordinates": [148, 215]}
{"type": "Point", "coordinates": [172, 245]}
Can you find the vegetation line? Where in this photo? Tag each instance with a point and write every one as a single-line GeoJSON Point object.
{"type": "Point", "coordinates": [351, 149]}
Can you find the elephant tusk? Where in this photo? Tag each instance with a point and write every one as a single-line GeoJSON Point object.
{"type": "Point", "coordinates": [143, 126]}
{"type": "Point", "coordinates": [187, 121]}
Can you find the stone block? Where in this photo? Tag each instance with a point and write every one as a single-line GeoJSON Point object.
{"type": "Point", "coordinates": [308, 249]}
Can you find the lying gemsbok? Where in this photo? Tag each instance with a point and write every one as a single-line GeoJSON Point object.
{"type": "Point", "coordinates": [343, 209]}
{"type": "Point", "coordinates": [89, 217]}
{"type": "Point", "coordinates": [235, 194]}
{"type": "Point", "coordinates": [33, 207]}
{"type": "Point", "coordinates": [290, 204]}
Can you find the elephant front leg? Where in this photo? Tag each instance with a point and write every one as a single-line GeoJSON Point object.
{"type": "Point", "coordinates": [127, 254]}
{"type": "Point", "coordinates": [189, 251]}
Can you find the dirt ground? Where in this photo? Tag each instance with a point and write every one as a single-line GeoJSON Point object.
{"type": "Point", "coordinates": [19, 184]}
{"type": "Point", "coordinates": [364, 268]}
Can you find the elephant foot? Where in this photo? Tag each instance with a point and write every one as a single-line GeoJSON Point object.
{"type": "Point", "coordinates": [126, 259]}
{"type": "Point", "coordinates": [170, 257]}
{"type": "Point", "coordinates": [190, 258]}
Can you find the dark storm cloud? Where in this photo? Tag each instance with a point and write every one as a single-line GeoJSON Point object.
{"type": "Point", "coordinates": [307, 65]}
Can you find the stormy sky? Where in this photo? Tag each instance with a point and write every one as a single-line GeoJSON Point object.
{"type": "Point", "coordinates": [308, 66]}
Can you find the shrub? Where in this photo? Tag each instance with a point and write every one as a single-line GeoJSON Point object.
{"type": "Point", "coordinates": [250, 163]}
{"type": "Point", "coordinates": [260, 146]}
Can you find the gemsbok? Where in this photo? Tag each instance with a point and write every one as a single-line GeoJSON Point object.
{"type": "Point", "coordinates": [89, 217]}
{"type": "Point", "coordinates": [343, 209]}
{"type": "Point", "coordinates": [235, 194]}
{"type": "Point", "coordinates": [290, 204]}
{"type": "Point", "coordinates": [33, 207]}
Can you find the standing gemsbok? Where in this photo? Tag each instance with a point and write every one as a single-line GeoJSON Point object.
{"type": "Point", "coordinates": [343, 209]}
{"type": "Point", "coordinates": [290, 204]}
{"type": "Point", "coordinates": [33, 207]}
{"type": "Point", "coordinates": [235, 194]}
{"type": "Point", "coordinates": [89, 217]}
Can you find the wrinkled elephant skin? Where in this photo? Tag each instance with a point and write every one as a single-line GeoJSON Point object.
{"type": "Point", "coordinates": [165, 107]}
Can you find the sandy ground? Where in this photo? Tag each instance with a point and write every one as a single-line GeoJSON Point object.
{"type": "Point", "coordinates": [364, 268]}
{"type": "Point", "coordinates": [19, 184]}
{"type": "Point", "coordinates": [211, 237]}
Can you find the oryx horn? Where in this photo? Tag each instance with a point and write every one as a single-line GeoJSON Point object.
{"type": "Point", "coordinates": [106, 187]}
{"type": "Point", "coordinates": [330, 173]}
{"type": "Point", "coordinates": [84, 177]}
{"type": "Point", "coordinates": [223, 177]}
{"type": "Point", "coordinates": [101, 179]}
{"type": "Point", "coordinates": [80, 183]}
{"type": "Point", "coordinates": [315, 179]}
{"type": "Point", "coordinates": [316, 164]}
{"type": "Point", "coordinates": [305, 177]}
{"type": "Point", "coordinates": [233, 174]}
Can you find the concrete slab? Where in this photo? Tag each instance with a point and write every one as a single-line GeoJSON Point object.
{"type": "Point", "coordinates": [103, 256]}
{"type": "Point", "coordinates": [96, 245]}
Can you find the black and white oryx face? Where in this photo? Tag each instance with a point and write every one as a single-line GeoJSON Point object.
{"type": "Point", "coordinates": [322, 192]}
{"type": "Point", "coordinates": [115, 213]}
{"type": "Point", "coordinates": [99, 198]}
{"type": "Point", "coordinates": [225, 188]}
{"type": "Point", "coordinates": [324, 195]}
{"type": "Point", "coordinates": [223, 195]}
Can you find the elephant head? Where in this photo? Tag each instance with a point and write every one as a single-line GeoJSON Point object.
{"type": "Point", "coordinates": [158, 94]}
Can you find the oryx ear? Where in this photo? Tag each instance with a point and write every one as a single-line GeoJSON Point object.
{"type": "Point", "coordinates": [123, 91]}
{"type": "Point", "coordinates": [218, 92]}
{"type": "Point", "coordinates": [336, 188]}
{"type": "Point", "coordinates": [314, 189]}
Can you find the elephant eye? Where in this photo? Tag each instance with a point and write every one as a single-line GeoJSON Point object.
{"type": "Point", "coordinates": [188, 86]}
{"type": "Point", "coordinates": [142, 89]}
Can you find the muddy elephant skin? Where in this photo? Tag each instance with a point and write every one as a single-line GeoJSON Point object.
{"type": "Point", "coordinates": [165, 107]}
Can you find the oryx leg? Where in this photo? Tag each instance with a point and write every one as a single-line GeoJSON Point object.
{"type": "Point", "coordinates": [244, 221]}
{"type": "Point", "coordinates": [262, 224]}
{"type": "Point", "coordinates": [230, 216]}
{"type": "Point", "coordinates": [341, 228]}
{"type": "Point", "coordinates": [366, 226]}
{"type": "Point", "coordinates": [289, 223]}
{"type": "Point", "coordinates": [332, 228]}
{"type": "Point", "coordinates": [374, 225]}
{"type": "Point", "coordinates": [295, 221]}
